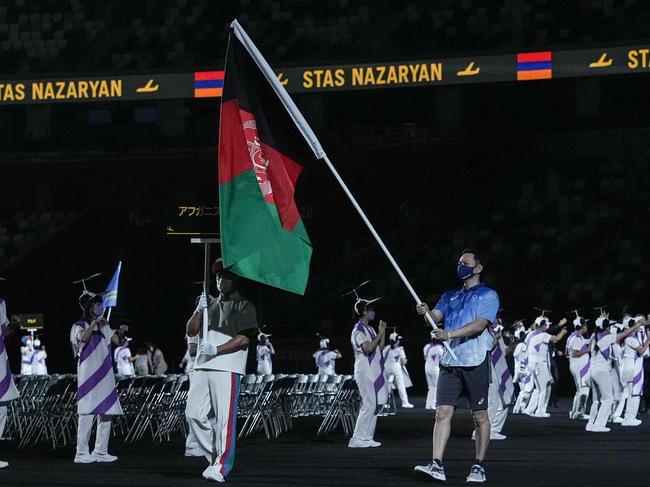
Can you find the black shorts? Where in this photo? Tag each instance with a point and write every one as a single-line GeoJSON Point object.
{"type": "Point", "coordinates": [472, 382]}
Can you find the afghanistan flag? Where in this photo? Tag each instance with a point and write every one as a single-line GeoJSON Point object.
{"type": "Point", "coordinates": [263, 140]}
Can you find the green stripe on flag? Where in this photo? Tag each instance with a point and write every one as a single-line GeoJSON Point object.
{"type": "Point", "coordinates": [254, 243]}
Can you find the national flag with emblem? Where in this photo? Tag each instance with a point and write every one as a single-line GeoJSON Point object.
{"type": "Point", "coordinates": [263, 144]}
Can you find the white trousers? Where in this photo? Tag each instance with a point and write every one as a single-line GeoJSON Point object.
{"type": "Point", "coordinates": [212, 413]}
{"type": "Point", "coordinates": [497, 412]}
{"type": "Point", "coordinates": [367, 418]}
{"type": "Point", "coordinates": [431, 370]}
{"type": "Point", "coordinates": [84, 430]}
{"type": "Point", "coordinates": [264, 368]}
{"type": "Point", "coordinates": [542, 378]}
{"type": "Point", "coordinates": [3, 419]}
{"type": "Point", "coordinates": [399, 382]}
{"type": "Point", "coordinates": [602, 395]}
{"type": "Point", "coordinates": [190, 441]}
{"type": "Point", "coordinates": [582, 391]}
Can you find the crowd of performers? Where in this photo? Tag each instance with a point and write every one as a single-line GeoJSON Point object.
{"type": "Point", "coordinates": [497, 367]}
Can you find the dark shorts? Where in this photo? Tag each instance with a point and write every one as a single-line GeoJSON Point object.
{"type": "Point", "coordinates": [472, 382]}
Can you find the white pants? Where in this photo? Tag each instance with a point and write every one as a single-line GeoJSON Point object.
{"type": "Point", "coordinates": [431, 370]}
{"type": "Point", "coordinates": [399, 382]}
{"type": "Point", "coordinates": [264, 368]}
{"type": "Point", "coordinates": [543, 379]}
{"type": "Point", "coordinates": [190, 441]}
{"type": "Point", "coordinates": [582, 391]}
{"type": "Point", "coordinates": [497, 412]}
{"type": "Point", "coordinates": [85, 428]}
{"type": "Point", "coordinates": [212, 413]}
{"type": "Point", "coordinates": [367, 419]}
{"type": "Point", "coordinates": [3, 419]}
{"type": "Point", "coordinates": [602, 395]}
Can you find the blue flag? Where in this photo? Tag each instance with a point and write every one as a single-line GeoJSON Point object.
{"type": "Point", "coordinates": [110, 297]}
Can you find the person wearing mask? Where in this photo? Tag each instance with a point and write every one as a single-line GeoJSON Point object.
{"type": "Point", "coordinates": [39, 366]}
{"type": "Point", "coordinates": [97, 397]}
{"type": "Point", "coordinates": [221, 362]}
{"type": "Point", "coordinates": [123, 359]}
{"type": "Point", "coordinates": [325, 358]}
{"type": "Point", "coordinates": [577, 350]}
{"type": "Point", "coordinates": [468, 313]}
{"type": "Point", "coordinates": [395, 360]}
{"type": "Point", "coordinates": [367, 346]}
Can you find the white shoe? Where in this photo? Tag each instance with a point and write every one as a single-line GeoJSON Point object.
{"type": "Point", "coordinates": [476, 474]}
{"type": "Point", "coordinates": [473, 435]}
{"type": "Point", "coordinates": [617, 420]}
{"type": "Point", "coordinates": [357, 443]}
{"type": "Point", "coordinates": [542, 415]}
{"type": "Point", "coordinates": [193, 453]}
{"type": "Point", "coordinates": [497, 436]}
{"type": "Point", "coordinates": [103, 457]}
{"type": "Point", "coordinates": [213, 474]}
{"type": "Point", "coordinates": [433, 470]}
{"type": "Point", "coordinates": [84, 458]}
{"type": "Point", "coordinates": [4, 464]}
{"type": "Point", "coordinates": [631, 422]}
{"type": "Point", "coordinates": [582, 416]}
{"type": "Point", "coordinates": [407, 405]}
{"type": "Point", "coordinates": [373, 443]}
{"type": "Point", "coordinates": [596, 429]}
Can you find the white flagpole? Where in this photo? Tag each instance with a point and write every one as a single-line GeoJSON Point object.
{"type": "Point", "coordinates": [315, 146]}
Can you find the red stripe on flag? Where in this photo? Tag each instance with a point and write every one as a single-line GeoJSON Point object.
{"type": "Point", "coordinates": [530, 57]}
{"type": "Point", "coordinates": [234, 157]}
{"type": "Point", "coordinates": [208, 75]}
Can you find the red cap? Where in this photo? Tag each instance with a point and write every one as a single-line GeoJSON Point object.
{"type": "Point", "coordinates": [217, 266]}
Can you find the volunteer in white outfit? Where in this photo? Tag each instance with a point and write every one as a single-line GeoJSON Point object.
{"type": "Point", "coordinates": [8, 391]}
{"type": "Point", "coordinates": [39, 366]}
{"type": "Point", "coordinates": [577, 349]}
{"type": "Point", "coordinates": [395, 360]}
{"type": "Point", "coordinates": [539, 364]}
{"type": "Point", "coordinates": [91, 339]}
{"type": "Point", "coordinates": [601, 376]}
{"type": "Point", "coordinates": [432, 353]}
{"type": "Point", "coordinates": [265, 351]}
{"type": "Point", "coordinates": [631, 375]}
{"type": "Point", "coordinates": [502, 390]}
{"type": "Point", "coordinates": [522, 376]}
{"type": "Point", "coordinates": [123, 359]}
{"type": "Point", "coordinates": [368, 373]}
{"type": "Point", "coordinates": [221, 361]}
{"type": "Point", "coordinates": [26, 355]}
{"type": "Point", "coordinates": [325, 358]}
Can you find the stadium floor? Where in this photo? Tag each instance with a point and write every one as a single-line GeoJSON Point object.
{"type": "Point", "coordinates": [550, 452]}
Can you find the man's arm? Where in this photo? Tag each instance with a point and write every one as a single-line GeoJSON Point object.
{"type": "Point", "coordinates": [473, 328]}
{"type": "Point", "coordinates": [559, 336]}
{"type": "Point", "coordinates": [235, 344]}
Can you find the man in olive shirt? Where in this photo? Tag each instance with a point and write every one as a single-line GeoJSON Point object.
{"type": "Point", "coordinates": [212, 400]}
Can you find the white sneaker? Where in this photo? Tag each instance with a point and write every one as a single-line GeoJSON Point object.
{"type": "Point", "coordinates": [4, 464]}
{"type": "Point", "coordinates": [193, 453]}
{"type": "Point", "coordinates": [497, 436]}
{"type": "Point", "coordinates": [582, 416]}
{"type": "Point", "coordinates": [631, 422]}
{"type": "Point", "coordinates": [476, 474]}
{"type": "Point", "coordinates": [103, 457]}
{"type": "Point", "coordinates": [433, 470]}
{"type": "Point", "coordinates": [596, 429]}
{"type": "Point", "coordinates": [373, 443]}
{"type": "Point", "coordinates": [473, 435]}
{"type": "Point", "coordinates": [617, 420]}
{"type": "Point", "coordinates": [542, 415]}
{"type": "Point", "coordinates": [407, 405]}
{"type": "Point", "coordinates": [357, 443]}
{"type": "Point", "coordinates": [84, 458]}
{"type": "Point", "coordinates": [213, 474]}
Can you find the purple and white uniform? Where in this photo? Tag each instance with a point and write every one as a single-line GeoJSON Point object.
{"type": "Point", "coordinates": [432, 353]}
{"type": "Point", "coordinates": [264, 361]}
{"type": "Point", "coordinates": [601, 377]}
{"type": "Point", "coordinates": [8, 391]}
{"type": "Point", "coordinates": [96, 392]}
{"type": "Point", "coordinates": [369, 376]}
{"type": "Point", "coordinates": [39, 367]}
{"type": "Point", "coordinates": [502, 390]}
{"type": "Point", "coordinates": [579, 367]}
{"type": "Point", "coordinates": [325, 361]}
